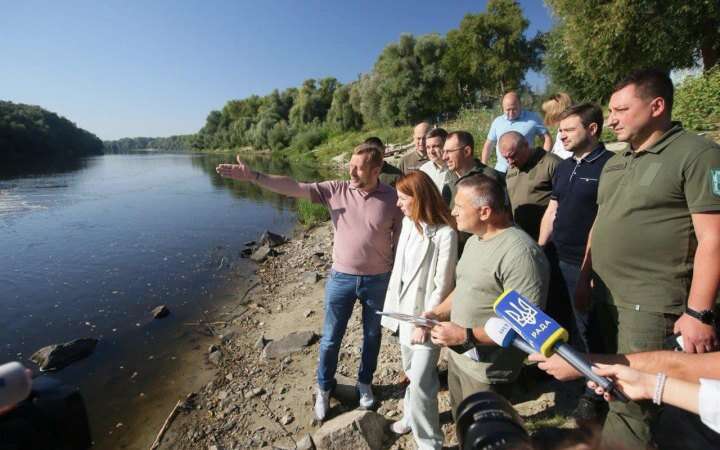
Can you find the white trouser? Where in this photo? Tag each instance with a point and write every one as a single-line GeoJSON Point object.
{"type": "Point", "coordinates": [421, 403]}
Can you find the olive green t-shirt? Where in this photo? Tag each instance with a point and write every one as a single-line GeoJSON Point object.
{"type": "Point", "coordinates": [509, 260]}
{"type": "Point", "coordinates": [412, 161]}
{"type": "Point", "coordinates": [643, 241]}
{"type": "Point", "coordinates": [479, 168]}
{"type": "Point", "coordinates": [530, 187]}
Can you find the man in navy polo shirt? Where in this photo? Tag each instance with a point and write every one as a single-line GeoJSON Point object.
{"type": "Point", "coordinates": [572, 209]}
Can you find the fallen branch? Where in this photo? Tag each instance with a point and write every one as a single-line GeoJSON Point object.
{"type": "Point", "coordinates": [167, 423]}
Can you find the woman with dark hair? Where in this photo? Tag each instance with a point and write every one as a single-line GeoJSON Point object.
{"type": "Point", "coordinates": [423, 275]}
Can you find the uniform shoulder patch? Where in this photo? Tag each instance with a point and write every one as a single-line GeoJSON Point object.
{"type": "Point", "coordinates": [715, 181]}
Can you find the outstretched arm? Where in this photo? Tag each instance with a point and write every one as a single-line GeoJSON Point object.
{"type": "Point", "coordinates": [276, 183]}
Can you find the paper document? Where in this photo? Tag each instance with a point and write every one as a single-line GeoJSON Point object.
{"type": "Point", "coordinates": [417, 320]}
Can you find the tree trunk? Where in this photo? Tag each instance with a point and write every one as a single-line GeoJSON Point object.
{"type": "Point", "coordinates": [710, 43]}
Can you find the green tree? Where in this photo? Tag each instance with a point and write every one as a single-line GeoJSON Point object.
{"type": "Point", "coordinates": [489, 54]}
{"type": "Point", "coordinates": [596, 43]}
{"type": "Point", "coordinates": [342, 116]}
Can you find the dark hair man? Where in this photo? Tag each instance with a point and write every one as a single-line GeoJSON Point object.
{"type": "Point", "coordinates": [570, 215]}
{"type": "Point", "coordinates": [498, 256]}
{"type": "Point", "coordinates": [528, 179]}
{"type": "Point", "coordinates": [389, 174]}
{"type": "Point", "coordinates": [514, 118]}
{"type": "Point", "coordinates": [366, 222]}
{"type": "Point", "coordinates": [413, 160]}
{"type": "Point", "coordinates": [459, 155]}
{"type": "Point", "coordinates": [656, 238]}
{"type": "Point", "coordinates": [436, 168]}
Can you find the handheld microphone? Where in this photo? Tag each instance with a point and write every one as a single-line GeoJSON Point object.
{"type": "Point", "coordinates": [503, 335]}
{"type": "Point", "coordinates": [15, 384]}
{"type": "Point", "coordinates": [546, 336]}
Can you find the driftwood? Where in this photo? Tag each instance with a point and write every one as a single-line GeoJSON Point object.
{"type": "Point", "coordinates": [168, 421]}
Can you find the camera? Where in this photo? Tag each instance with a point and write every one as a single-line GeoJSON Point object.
{"type": "Point", "coordinates": [486, 421]}
{"type": "Point", "coordinates": [51, 416]}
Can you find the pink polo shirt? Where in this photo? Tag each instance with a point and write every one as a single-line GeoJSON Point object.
{"type": "Point", "coordinates": [367, 225]}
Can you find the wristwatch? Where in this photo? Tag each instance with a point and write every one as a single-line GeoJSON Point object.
{"type": "Point", "coordinates": [706, 316]}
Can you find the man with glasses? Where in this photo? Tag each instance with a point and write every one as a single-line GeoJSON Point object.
{"type": "Point", "coordinates": [459, 155]}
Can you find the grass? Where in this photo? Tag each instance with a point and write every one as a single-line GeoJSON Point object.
{"type": "Point", "coordinates": [311, 214]}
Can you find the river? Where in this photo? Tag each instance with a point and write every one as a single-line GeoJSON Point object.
{"type": "Point", "coordinates": [89, 250]}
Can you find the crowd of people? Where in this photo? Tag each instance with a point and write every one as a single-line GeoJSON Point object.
{"type": "Point", "coordinates": [624, 249]}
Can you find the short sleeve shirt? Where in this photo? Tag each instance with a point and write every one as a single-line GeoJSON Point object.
{"type": "Point", "coordinates": [575, 187]}
{"type": "Point", "coordinates": [530, 187]}
{"type": "Point", "coordinates": [367, 225]}
{"type": "Point", "coordinates": [643, 242]}
{"type": "Point", "coordinates": [509, 260]}
{"type": "Point", "coordinates": [528, 123]}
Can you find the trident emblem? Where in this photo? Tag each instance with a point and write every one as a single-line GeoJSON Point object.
{"type": "Point", "coordinates": [523, 313]}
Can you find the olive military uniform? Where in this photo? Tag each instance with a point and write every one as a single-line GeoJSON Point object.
{"type": "Point", "coordinates": [412, 161]}
{"type": "Point", "coordinates": [530, 188]}
{"type": "Point", "coordinates": [643, 246]}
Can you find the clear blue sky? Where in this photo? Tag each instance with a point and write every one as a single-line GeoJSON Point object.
{"type": "Point", "coordinates": [156, 68]}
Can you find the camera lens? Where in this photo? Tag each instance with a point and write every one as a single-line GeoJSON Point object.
{"type": "Point", "coordinates": [485, 421]}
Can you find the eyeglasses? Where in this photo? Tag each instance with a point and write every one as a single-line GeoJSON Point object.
{"type": "Point", "coordinates": [450, 150]}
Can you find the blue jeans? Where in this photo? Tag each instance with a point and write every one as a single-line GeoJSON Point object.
{"type": "Point", "coordinates": [571, 274]}
{"type": "Point", "coordinates": [341, 291]}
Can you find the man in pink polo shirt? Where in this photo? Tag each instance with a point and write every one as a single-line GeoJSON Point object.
{"type": "Point", "coordinates": [367, 224]}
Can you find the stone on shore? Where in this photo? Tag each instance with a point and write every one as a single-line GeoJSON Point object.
{"type": "Point", "coordinates": [58, 356]}
{"type": "Point", "coordinates": [215, 357]}
{"type": "Point", "coordinates": [310, 277]}
{"type": "Point", "coordinates": [288, 344]}
{"type": "Point", "coordinates": [356, 429]}
{"type": "Point", "coordinates": [160, 311]}
{"type": "Point", "coordinates": [271, 239]}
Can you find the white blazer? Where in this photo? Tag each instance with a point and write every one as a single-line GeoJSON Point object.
{"type": "Point", "coordinates": [432, 279]}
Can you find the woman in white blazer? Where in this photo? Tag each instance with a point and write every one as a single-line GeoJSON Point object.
{"type": "Point", "coordinates": [423, 275]}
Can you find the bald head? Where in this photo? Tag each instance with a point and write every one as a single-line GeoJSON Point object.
{"type": "Point", "coordinates": [419, 133]}
{"type": "Point", "coordinates": [511, 105]}
{"type": "Point", "coordinates": [514, 148]}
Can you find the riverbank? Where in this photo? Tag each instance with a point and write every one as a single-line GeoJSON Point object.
{"type": "Point", "coordinates": [265, 353]}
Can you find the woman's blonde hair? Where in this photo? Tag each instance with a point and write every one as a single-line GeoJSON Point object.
{"type": "Point", "coordinates": [554, 106]}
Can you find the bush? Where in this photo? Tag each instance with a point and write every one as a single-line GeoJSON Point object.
{"type": "Point", "coordinates": [307, 140]}
{"type": "Point", "coordinates": [697, 101]}
{"type": "Point", "coordinates": [311, 214]}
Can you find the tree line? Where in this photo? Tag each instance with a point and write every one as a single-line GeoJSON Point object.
{"type": "Point", "coordinates": [31, 134]}
{"type": "Point", "coordinates": [590, 47]}
{"type": "Point", "coordinates": [181, 142]}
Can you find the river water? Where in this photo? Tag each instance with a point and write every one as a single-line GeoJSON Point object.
{"type": "Point", "coordinates": [88, 252]}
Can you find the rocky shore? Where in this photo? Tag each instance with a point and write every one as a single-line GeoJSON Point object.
{"type": "Point", "coordinates": [265, 354]}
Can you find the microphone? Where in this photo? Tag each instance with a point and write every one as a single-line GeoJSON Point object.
{"type": "Point", "coordinates": [546, 336]}
{"type": "Point", "coordinates": [15, 384]}
{"type": "Point", "coordinates": [503, 335]}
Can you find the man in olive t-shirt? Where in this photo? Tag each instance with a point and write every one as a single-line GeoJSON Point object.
{"type": "Point", "coordinates": [656, 238]}
{"type": "Point", "coordinates": [497, 257]}
{"type": "Point", "coordinates": [528, 179]}
{"type": "Point", "coordinates": [418, 157]}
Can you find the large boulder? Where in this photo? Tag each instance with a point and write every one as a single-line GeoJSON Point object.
{"type": "Point", "coordinates": [288, 344]}
{"type": "Point", "coordinates": [363, 430]}
{"type": "Point", "coordinates": [261, 253]}
{"type": "Point", "coordinates": [58, 356]}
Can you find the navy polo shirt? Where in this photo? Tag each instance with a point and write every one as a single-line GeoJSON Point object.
{"type": "Point", "coordinates": [575, 187]}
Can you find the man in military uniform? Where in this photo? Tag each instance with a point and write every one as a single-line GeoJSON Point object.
{"type": "Point", "coordinates": [413, 160]}
{"type": "Point", "coordinates": [529, 180]}
{"type": "Point", "coordinates": [655, 242]}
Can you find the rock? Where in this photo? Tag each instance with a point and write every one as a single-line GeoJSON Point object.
{"type": "Point", "coordinates": [213, 348]}
{"type": "Point", "coordinates": [356, 429]}
{"type": "Point", "coordinates": [345, 391]}
{"type": "Point", "coordinates": [288, 344]}
{"type": "Point", "coordinates": [55, 357]}
{"type": "Point", "coordinates": [261, 342]}
{"type": "Point", "coordinates": [287, 419]}
{"type": "Point", "coordinates": [246, 252]}
{"type": "Point", "coordinates": [261, 253]}
{"type": "Point", "coordinates": [271, 239]}
{"type": "Point", "coordinates": [310, 277]}
{"type": "Point", "coordinates": [160, 311]}
{"type": "Point", "coordinates": [254, 393]}
{"type": "Point", "coordinates": [306, 443]}
{"type": "Point", "coordinates": [249, 243]}
{"type": "Point", "coordinates": [308, 313]}
{"type": "Point", "coordinates": [215, 357]}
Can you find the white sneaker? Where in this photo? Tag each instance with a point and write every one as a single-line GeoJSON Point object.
{"type": "Point", "coordinates": [367, 400]}
{"type": "Point", "coordinates": [400, 427]}
{"type": "Point", "coordinates": [322, 403]}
